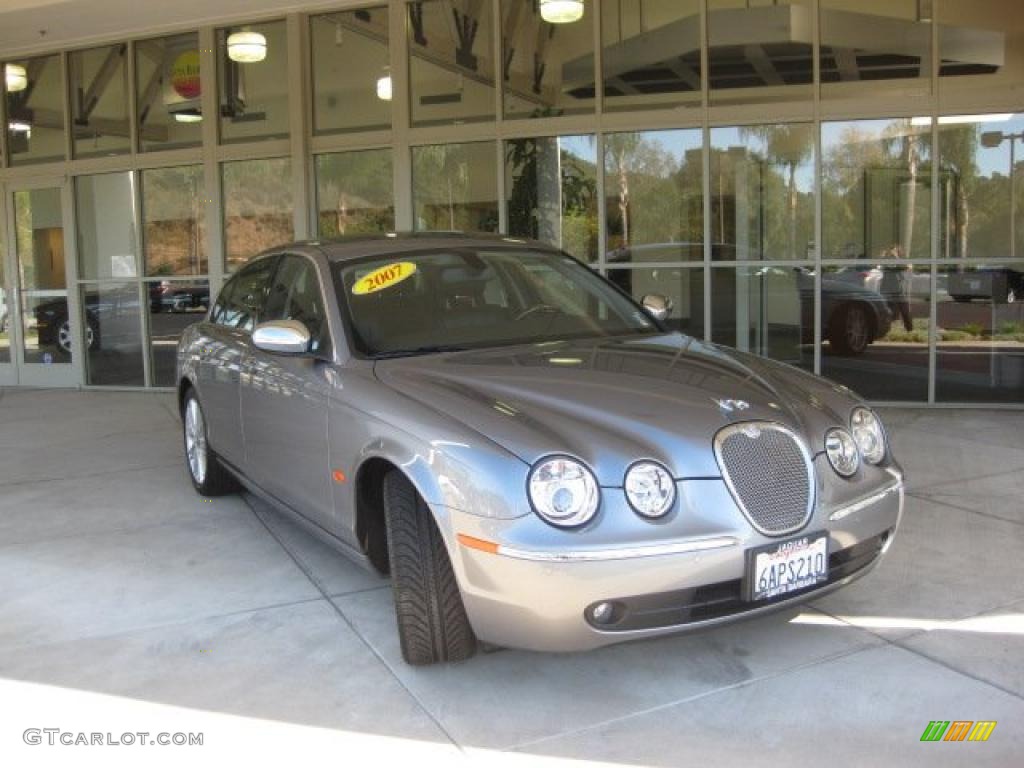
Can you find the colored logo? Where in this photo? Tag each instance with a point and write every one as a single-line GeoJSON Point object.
{"type": "Point", "coordinates": [958, 730]}
{"type": "Point", "coordinates": [385, 277]}
{"type": "Point", "coordinates": [185, 75]}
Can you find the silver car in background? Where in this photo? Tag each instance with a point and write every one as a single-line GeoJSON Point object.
{"type": "Point", "coordinates": [534, 459]}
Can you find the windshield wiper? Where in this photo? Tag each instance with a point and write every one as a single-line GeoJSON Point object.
{"type": "Point", "coordinates": [433, 349]}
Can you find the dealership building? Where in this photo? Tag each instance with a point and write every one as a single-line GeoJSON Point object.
{"type": "Point", "coordinates": [831, 183]}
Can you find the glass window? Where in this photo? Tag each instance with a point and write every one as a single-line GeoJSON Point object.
{"type": "Point", "coordinates": [762, 192]}
{"type": "Point", "coordinates": [980, 316]}
{"type": "Point", "coordinates": [253, 72]}
{"type": "Point", "coordinates": [168, 92]}
{"type": "Point", "coordinates": [295, 295]}
{"type": "Point", "coordinates": [479, 298]}
{"type": "Point", "coordinates": [173, 306]}
{"type": "Point", "coordinates": [549, 68]}
{"type": "Point", "coordinates": [451, 65]}
{"type": "Point", "coordinates": [105, 206]}
{"type": "Point", "coordinates": [876, 190]}
{"type": "Point", "coordinates": [768, 311]}
{"type": "Point", "coordinates": [352, 84]}
{"type": "Point", "coordinates": [683, 286]}
{"type": "Point", "coordinates": [980, 49]}
{"type": "Point", "coordinates": [354, 193]}
{"type": "Point", "coordinates": [654, 196]}
{"type": "Point", "coordinates": [455, 187]}
{"type": "Point", "coordinates": [35, 110]}
{"type": "Point", "coordinates": [875, 330]}
{"type": "Point", "coordinates": [99, 100]}
{"type": "Point", "coordinates": [982, 214]}
{"type": "Point", "coordinates": [113, 348]}
{"type": "Point", "coordinates": [651, 54]}
{"type": "Point", "coordinates": [551, 192]}
{"type": "Point", "coordinates": [867, 49]}
{"type": "Point", "coordinates": [258, 207]}
{"type": "Point", "coordinates": [242, 299]}
{"type": "Point", "coordinates": [174, 221]}
{"type": "Point", "coordinates": [760, 51]}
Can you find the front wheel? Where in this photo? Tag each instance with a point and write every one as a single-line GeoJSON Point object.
{"type": "Point", "coordinates": [432, 621]}
{"type": "Point", "coordinates": [208, 475]}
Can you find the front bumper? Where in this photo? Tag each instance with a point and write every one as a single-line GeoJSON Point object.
{"type": "Point", "coordinates": [533, 590]}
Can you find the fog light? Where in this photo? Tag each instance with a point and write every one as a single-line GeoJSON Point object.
{"type": "Point", "coordinates": [604, 613]}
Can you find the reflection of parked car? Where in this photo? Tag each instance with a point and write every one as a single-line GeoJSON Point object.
{"type": "Point", "coordinates": [870, 276]}
{"type": "Point", "coordinates": [853, 316]}
{"type": "Point", "coordinates": [112, 311]}
{"type": "Point", "coordinates": [529, 454]}
{"type": "Point", "coordinates": [170, 296]}
{"type": "Point", "coordinates": [1000, 285]}
{"type": "Point", "coordinates": [3, 310]}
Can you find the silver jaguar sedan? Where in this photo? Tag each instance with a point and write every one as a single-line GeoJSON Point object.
{"type": "Point", "coordinates": [536, 460]}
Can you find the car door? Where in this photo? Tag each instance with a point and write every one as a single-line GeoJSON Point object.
{"type": "Point", "coordinates": [226, 339]}
{"type": "Point", "coordinates": [285, 399]}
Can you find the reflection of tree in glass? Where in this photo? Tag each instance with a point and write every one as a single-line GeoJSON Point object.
{"type": "Point", "coordinates": [788, 145]}
{"type": "Point", "coordinates": [258, 207]}
{"type": "Point", "coordinates": [444, 185]}
{"type": "Point", "coordinates": [552, 195]}
{"type": "Point", "coordinates": [354, 193]}
{"type": "Point", "coordinates": [173, 210]}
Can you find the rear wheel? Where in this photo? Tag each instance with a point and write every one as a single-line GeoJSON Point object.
{"type": "Point", "coordinates": [432, 621]}
{"type": "Point", "coordinates": [850, 331]}
{"type": "Point", "coordinates": [208, 475]}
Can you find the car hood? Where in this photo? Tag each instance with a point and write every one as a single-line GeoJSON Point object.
{"type": "Point", "coordinates": [613, 401]}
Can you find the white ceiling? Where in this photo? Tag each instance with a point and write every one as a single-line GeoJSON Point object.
{"type": "Point", "coordinates": [28, 26]}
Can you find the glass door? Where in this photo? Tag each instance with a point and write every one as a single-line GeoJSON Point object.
{"type": "Point", "coordinates": [45, 322]}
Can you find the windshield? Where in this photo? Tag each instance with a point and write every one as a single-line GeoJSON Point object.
{"type": "Point", "coordinates": [463, 298]}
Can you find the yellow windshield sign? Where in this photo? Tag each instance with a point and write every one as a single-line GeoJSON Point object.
{"type": "Point", "coordinates": [384, 277]}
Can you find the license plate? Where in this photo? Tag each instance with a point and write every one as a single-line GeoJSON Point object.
{"type": "Point", "coordinates": [787, 566]}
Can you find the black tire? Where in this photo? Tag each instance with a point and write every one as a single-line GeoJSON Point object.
{"type": "Point", "coordinates": [214, 480]}
{"type": "Point", "coordinates": [432, 621]}
{"type": "Point", "coordinates": [850, 330]}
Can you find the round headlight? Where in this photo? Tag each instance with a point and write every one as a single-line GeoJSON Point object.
{"type": "Point", "coordinates": [842, 451]}
{"type": "Point", "coordinates": [867, 431]}
{"type": "Point", "coordinates": [649, 489]}
{"type": "Point", "coordinates": [563, 491]}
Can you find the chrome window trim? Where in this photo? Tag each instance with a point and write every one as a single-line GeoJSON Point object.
{"type": "Point", "coordinates": [619, 553]}
{"type": "Point", "coordinates": [812, 484]}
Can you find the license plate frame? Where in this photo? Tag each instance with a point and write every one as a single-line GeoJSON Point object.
{"type": "Point", "coordinates": [809, 543]}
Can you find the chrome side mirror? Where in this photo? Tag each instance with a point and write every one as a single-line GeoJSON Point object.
{"type": "Point", "coordinates": [282, 337]}
{"type": "Point", "coordinates": [657, 306]}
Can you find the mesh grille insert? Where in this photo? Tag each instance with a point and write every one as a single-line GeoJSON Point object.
{"type": "Point", "coordinates": [769, 474]}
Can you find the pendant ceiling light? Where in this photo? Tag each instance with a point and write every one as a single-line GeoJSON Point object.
{"type": "Point", "coordinates": [561, 11]}
{"type": "Point", "coordinates": [191, 116]}
{"type": "Point", "coordinates": [384, 87]}
{"type": "Point", "coordinates": [16, 78]}
{"type": "Point", "coordinates": [19, 126]}
{"type": "Point", "coordinates": [247, 47]}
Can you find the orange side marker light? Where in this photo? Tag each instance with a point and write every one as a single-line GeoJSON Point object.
{"type": "Point", "coordinates": [338, 475]}
{"type": "Point", "coordinates": [471, 542]}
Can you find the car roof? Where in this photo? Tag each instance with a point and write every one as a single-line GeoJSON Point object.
{"type": "Point", "coordinates": [358, 246]}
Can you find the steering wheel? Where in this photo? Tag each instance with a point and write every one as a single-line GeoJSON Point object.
{"type": "Point", "coordinates": [534, 310]}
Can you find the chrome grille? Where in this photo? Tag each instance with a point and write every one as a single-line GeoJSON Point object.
{"type": "Point", "coordinates": [769, 473]}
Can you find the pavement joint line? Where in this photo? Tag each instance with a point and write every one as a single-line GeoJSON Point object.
{"type": "Point", "coordinates": [971, 478]}
{"type": "Point", "coordinates": [697, 696]}
{"type": "Point", "coordinates": [200, 515]}
{"type": "Point", "coordinates": [355, 631]}
{"type": "Point", "coordinates": [901, 642]}
{"type": "Point", "coordinates": [85, 476]}
{"type": "Point", "coordinates": [951, 505]}
{"type": "Point", "coordinates": [7, 649]}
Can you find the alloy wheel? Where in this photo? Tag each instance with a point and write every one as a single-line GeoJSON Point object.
{"type": "Point", "coordinates": [195, 441]}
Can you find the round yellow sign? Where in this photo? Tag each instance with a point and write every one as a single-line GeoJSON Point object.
{"type": "Point", "coordinates": [384, 277]}
{"type": "Point", "coordinates": [185, 75]}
